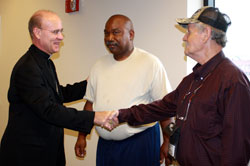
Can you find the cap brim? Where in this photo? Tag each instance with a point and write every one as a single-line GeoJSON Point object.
{"type": "Point", "coordinates": [185, 21]}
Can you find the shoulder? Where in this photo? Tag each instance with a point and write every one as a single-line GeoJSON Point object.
{"type": "Point", "coordinates": [25, 61]}
{"type": "Point", "coordinates": [103, 60]}
{"type": "Point", "coordinates": [26, 68]}
{"type": "Point", "coordinates": [101, 63]}
{"type": "Point", "coordinates": [146, 56]}
{"type": "Point", "coordinates": [229, 69]}
{"type": "Point", "coordinates": [232, 74]}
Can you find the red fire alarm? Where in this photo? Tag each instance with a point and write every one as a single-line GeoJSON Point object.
{"type": "Point", "coordinates": [71, 6]}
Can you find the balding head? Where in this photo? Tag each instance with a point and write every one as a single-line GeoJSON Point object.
{"type": "Point", "coordinates": [45, 29]}
{"type": "Point", "coordinates": [122, 20]}
{"type": "Point", "coordinates": [37, 18]}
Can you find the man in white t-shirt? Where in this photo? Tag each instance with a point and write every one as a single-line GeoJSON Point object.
{"type": "Point", "coordinates": [129, 76]}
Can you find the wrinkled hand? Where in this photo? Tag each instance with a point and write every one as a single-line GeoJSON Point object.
{"type": "Point", "coordinates": [107, 119]}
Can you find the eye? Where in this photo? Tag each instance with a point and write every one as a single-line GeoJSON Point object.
{"type": "Point", "coordinates": [106, 33]}
{"type": "Point", "coordinates": [57, 31]}
{"type": "Point", "coordinates": [116, 32]}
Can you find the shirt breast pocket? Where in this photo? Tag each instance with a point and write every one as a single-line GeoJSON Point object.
{"type": "Point", "coordinates": [203, 118]}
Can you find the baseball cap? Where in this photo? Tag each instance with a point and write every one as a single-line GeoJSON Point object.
{"type": "Point", "coordinates": [207, 15]}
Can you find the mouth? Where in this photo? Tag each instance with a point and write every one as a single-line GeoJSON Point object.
{"type": "Point", "coordinates": [111, 45]}
{"type": "Point", "coordinates": [57, 43]}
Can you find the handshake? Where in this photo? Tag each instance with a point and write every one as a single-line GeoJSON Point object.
{"type": "Point", "coordinates": [107, 119]}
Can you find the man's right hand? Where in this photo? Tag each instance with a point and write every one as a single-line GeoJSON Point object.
{"type": "Point", "coordinates": [107, 119]}
{"type": "Point", "coordinates": [80, 145]}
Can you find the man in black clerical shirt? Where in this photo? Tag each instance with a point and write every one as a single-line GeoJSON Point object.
{"type": "Point", "coordinates": [37, 116]}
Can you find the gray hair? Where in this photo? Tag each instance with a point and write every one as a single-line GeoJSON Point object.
{"type": "Point", "coordinates": [218, 35]}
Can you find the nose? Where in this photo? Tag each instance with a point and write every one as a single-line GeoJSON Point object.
{"type": "Point", "coordinates": [109, 37]}
{"type": "Point", "coordinates": [185, 37]}
{"type": "Point", "coordinates": [60, 36]}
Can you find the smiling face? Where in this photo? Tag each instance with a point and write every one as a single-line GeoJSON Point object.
{"type": "Point", "coordinates": [49, 35]}
{"type": "Point", "coordinates": [118, 36]}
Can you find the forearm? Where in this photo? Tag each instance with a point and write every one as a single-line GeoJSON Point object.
{"type": "Point", "coordinates": [74, 92]}
{"type": "Point", "coordinates": [87, 107]}
{"type": "Point", "coordinates": [142, 114]}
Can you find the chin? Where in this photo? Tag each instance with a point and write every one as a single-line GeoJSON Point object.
{"type": "Point", "coordinates": [112, 52]}
{"type": "Point", "coordinates": [56, 49]}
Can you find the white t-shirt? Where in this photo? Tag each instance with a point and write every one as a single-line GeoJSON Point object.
{"type": "Point", "coordinates": [112, 85]}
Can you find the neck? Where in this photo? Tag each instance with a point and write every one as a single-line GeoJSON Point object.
{"type": "Point", "coordinates": [208, 53]}
{"type": "Point", "coordinates": [40, 48]}
{"type": "Point", "coordinates": [123, 56]}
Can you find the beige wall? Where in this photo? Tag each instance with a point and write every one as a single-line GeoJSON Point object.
{"type": "Point", "coordinates": [155, 31]}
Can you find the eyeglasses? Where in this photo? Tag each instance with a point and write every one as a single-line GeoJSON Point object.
{"type": "Point", "coordinates": [184, 118]}
{"type": "Point", "coordinates": [55, 32]}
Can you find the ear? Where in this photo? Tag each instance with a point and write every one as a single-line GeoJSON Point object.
{"type": "Point", "coordinates": [131, 34]}
{"type": "Point", "coordinates": [37, 32]}
{"type": "Point", "coordinates": [207, 32]}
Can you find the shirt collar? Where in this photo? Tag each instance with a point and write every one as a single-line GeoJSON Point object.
{"type": "Point", "coordinates": [40, 52]}
{"type": "Point", "coordinates": [201, 71]}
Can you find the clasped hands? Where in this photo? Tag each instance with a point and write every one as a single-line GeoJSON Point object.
{"type": "Point", "coordinates": [107, 119]}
